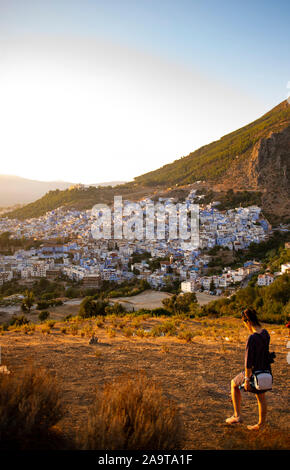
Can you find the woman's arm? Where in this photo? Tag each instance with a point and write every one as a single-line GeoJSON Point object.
{"type": "Point", "coordinates": [248, 373]}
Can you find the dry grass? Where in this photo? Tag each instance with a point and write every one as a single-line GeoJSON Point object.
{"type": "Point", "coordinates": [186, 335]}
{"type": "Point", "coordinates": [132, 414]}
{"type": "Point", "coordinates": [30, 406]}
{"type": "Point", "coordinates": [196, 374]}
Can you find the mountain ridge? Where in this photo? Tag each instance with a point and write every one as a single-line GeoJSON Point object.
{"type": "Point", "coordinates": [255, 157]}
{"type": "Point", "coordinates": [200, 164]}
{"type": "Point", "coordinates": [18, 190]}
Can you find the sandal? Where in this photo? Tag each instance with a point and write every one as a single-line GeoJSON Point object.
{"type": "Point", "coordinates": [254, 427]}
{"type": "Point", "coordinates": [234, 420]}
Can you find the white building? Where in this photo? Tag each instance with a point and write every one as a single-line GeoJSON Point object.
{"type": "Point", "coordinates": [265, 279]}
{"type": "Point", "coordinates": [285, 268]}
{"type": "Point", "coordinates": [188, 286]}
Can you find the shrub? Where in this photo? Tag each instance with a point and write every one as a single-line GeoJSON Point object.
{"type": "Point", "coordinates": [73, 330]}
{"type": "Point", "coordinates": [180, 303]}
{"type": "Point", "coordinates": [43, 315]}
{"type": "Point", "coordinates": [141, 333]}
{"type": "Point", "coordinates": [136, 322]}
{"type": "Point", "coordinates": [91, 308]}
{"type": "Point", "coordinates": [88, 330]}
{"type": "Point", "coordinates": [29, 406]}
{"type": "Point", "coordinates": [186, 335]}
{"type": "Point", "coordinates": [166, 328]}
{"type": "Point", "coordinates": [100, 322]}
{"type": "Point", "coordinates": [132, 414]}
{"type": "Point", "coordinates": [111, 333]}
{"type": "Point", "coordinates": [128, 332]}
{"type": "Point", "coordinates": [45, 330]}
{"type": "Point", "coordinates": [160, 312]}
{"type": "Point", "coordinates": [28, 329]}
{"type": "Point", "coordinates": [116, 309]}
{"type": "Point", "coordinates": [19, 320]}
{"type": "Point", "coordinates": [43, 304]}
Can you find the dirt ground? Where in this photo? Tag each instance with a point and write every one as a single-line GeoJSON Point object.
{"type": "Point", "coordinates": [148, 299]}
{"type": "Point", "coordinates": [196, 375]}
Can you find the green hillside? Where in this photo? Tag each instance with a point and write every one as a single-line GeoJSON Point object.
{"type": "Point", "coordinates": [77, 198]}
{"type": "Point", "coordinates": [212, 161]}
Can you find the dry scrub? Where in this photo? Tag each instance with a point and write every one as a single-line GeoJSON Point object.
{"type": "Point", "coordinates": [29, 407]}
{"type": "Point", "coordinates": [132, 414]}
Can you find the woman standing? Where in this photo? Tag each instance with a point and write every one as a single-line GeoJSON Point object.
{"type": "Point", "coordinates": [257, 357]}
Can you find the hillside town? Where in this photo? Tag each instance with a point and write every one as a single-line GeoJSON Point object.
{"type": "Point", "coordinates": [70, 250]}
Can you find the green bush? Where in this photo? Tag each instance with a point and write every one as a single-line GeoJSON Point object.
{"type": "Point", "coordinates": [92, 308]}
{"type": "Point", "coordinates": [43, 315]}
{"type": "Point", "coordinates": [159, 312]}
{"type": "Point", "coordinates": [167, 328]}
{"type": "Point", "coordinates": [18, 320]}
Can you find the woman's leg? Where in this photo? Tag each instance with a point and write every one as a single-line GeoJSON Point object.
{"type": "Point", "coordinates": [236, 398]}
{"type": "Point", "coordinates": [262, 407]}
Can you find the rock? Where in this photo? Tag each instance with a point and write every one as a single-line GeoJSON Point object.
{"type": "Point", "coordinates": [93, 340]}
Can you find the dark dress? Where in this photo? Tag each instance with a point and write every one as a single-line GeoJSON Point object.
{"type": "Point", "coordinates": [257, 356]}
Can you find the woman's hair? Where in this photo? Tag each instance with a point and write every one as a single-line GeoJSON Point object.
{"type": "Point", "coordinates": [250, 315]}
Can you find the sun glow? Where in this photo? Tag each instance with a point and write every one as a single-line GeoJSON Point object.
{"type": "Point", "coordinates": [89, 111]}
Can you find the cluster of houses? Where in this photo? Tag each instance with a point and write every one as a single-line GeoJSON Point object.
{"type": "Point", "coordinates": [267, 278]}
{"type": "Point", "coordinates": [218, 283]}
{"type": "Point", "coordinates": [91, 261]}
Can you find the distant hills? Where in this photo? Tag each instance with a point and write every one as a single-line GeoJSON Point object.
{"type": "Point", "coordinates": [253, 158]}
{"type": "Point", "coordinates": [16, 190]}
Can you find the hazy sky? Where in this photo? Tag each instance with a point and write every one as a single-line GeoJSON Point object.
{"type": "Point", "coordinates": [102, 90]}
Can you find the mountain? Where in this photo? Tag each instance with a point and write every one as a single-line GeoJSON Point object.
{"type": "Point", "coordinates": [79, 197]}
{"type": "Point", "coordinates": [16, 190]}
{"type": "Point", "coordinates": [255, 158]}
{"type": "Point", "coordinates": [108, 183]}
{"type": "Point", "coordinates": [215, 161]}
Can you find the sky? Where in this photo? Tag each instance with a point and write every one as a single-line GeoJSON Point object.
{"type": "Point", "coordinates": [106, 90]}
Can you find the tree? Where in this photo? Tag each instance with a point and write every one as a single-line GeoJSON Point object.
{"type": "Point", "coordinates": [180, 303]}
{"type": "Point", "coordinates": [212, 286]}
{"type": "Point", "coordinates": [28, 301]}
{"type": "Point", "coordinates": [116, 309]}
{"type": "Point", "coordinates": [91, 308]}
{"type": "Point", "coordinates": [43, 315]}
